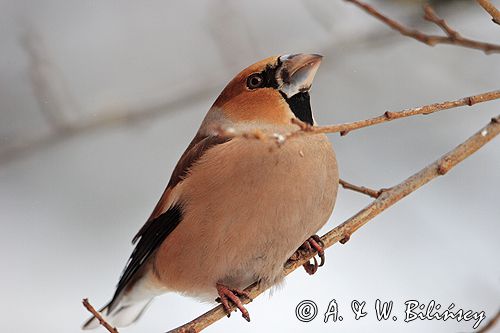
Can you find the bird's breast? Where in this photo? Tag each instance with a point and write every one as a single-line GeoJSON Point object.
{"type": "Point", "coordinates": [247, 206]}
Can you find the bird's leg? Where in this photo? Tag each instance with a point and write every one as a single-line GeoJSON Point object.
{"type": "Point", "coordinates": [227, 294]}
{"type": "Point", "coordinates": [313, 243]}
{"type": "Point", "coordinates": [318, 245]}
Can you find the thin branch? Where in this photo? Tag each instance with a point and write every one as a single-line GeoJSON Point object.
{"type": "Point", "coordinates": [423, 110]}
{"type": "Point", "coordinates": [491, 9]}
{"type": "Point", "coordinates": [387, 198]}
{"type": "Point", "coordinates": [361, 189]}
{"type": "Point", "coordinates": [99, 317]}
{"type": "Point", "coordinates": [454, 38]}
{"type": "Point", "coordinates": [345, 128]}
{"type": "Point", "coordinates": [431, 16]}
{"type": "Point", "coordinates": [490, 324]}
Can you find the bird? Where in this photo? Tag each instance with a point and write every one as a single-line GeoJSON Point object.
{"type": "Point", "coordinates": [236, 209]}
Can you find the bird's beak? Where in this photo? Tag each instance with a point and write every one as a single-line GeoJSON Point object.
{"type": "Point", "coordinates": [296, 72]}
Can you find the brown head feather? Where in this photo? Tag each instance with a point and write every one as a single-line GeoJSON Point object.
{"type": "Point", "coordinates": [239, 103]}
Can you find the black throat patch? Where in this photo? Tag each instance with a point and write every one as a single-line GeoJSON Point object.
{"type": "Point", "coordinates": [301, 106]}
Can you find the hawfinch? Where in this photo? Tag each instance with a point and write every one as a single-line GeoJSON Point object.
{"type": "Point", "coordinates": [236, 209]}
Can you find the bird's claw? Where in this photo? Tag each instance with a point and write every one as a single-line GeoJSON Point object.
{"type": "Point", "coordinates": [313, 243]}
{"type": "Point", "coordinates": [311, 268]}
{"type": "Point", "coordinates": [318, 245]}
{"type": "Point", "coordinates": [228, 294]}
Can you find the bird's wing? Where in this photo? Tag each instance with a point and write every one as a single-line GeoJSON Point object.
{"type": "Point", "coordinates": [163, 220]}
{"type": "Point", "coordinates": [196, 149]}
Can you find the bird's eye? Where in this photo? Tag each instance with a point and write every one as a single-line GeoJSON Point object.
{"type": "Point", "coordinates": [255, 81]}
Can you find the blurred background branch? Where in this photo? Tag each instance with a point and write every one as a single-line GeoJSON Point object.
{"type": "Point", "coordinates": [64, 131]}
{"type": "Point", "coordinates": [453, 37]}
{"type": "Point", "coordinates": [49, 86]}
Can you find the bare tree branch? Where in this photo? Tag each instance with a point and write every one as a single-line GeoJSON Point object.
{"type": "Point", "coordinates": [431, 16]}
{"type": "Point", "coordinates": [99, 317]}
{"type": "Point", "coordinates": [361, 189]}
{"type": "Point", "coordinates": [423, 110]}
{"type": "Point", "coordinates": [452, 36]}
{"type": "Point", "coordinates": [387, 198]}
{"type": "Point", "coordinates": [345, 128]}
{"type": "Point", "coordinates": [491, 9]}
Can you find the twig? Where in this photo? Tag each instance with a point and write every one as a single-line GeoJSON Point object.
{"type": "Point", "coordinates": [431, 16]}
{"type": "Point", "coordinates": [345, 128]}
{"type": "Point", "coordinates": [431, 40]}
{"type": "Point", "coordinates": [387, 198]}
{"type": "Point", "coordinates": [490, 324]}
{"type": "Point", "coordinates": [99, 317]}
{"type": "Point", "coordinates": [423, 110]}
{"type": "Point", "coordinates": [491, 9]}
{"type": "Point", "coordinates": [360, 189]}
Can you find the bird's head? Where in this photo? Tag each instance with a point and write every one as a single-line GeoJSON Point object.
{"type": "Point", "coordinates": [271, 91]}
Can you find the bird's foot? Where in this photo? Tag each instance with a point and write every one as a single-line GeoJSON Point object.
{"type": "Point", "coordinates": [227, 294]}
{"type": "Point", "coordinates": [314, 243]}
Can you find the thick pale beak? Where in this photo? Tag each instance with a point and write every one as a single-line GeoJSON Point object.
{"type": "Point", "coordinates": [296, 72]}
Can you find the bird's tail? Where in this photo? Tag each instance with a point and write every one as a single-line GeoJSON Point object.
{"type": "Point", "coordinates": [120, 315]}
{"type": "Point", "coordinates": [128, 305]}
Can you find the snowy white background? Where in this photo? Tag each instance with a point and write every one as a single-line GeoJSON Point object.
{"type": "Point", "coordinates": [70, 206]}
